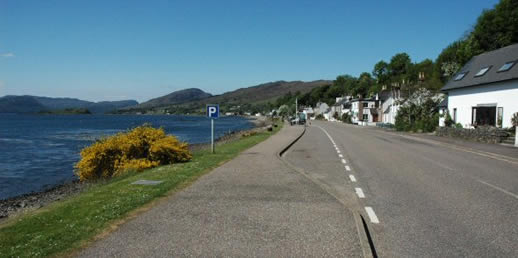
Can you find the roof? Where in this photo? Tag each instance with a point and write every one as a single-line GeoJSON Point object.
{"type": "Point", "coordinates": [494, 59]}
{"type": "Point", "coordinates": [341, 102]}
{"type": "Point", "coordinates": [368, 99]}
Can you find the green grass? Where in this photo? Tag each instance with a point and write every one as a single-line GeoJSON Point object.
{"type": "Point", "coordinates": [67, 225]}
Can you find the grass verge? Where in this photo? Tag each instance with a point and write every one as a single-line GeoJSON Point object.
{"type": "Point", "coordinates": [67, 225]}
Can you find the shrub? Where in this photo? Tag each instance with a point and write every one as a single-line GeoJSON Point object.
{"type": "Point", "coordinates": [422, 117]}
{"type": "Point", "coordinates": [320, 117]}
{"type": "Point", "coordinates": [448, 121]}
{"type": "Point", "coordinates": [346, 118]}
{"type": "Point", "coordinates": [141, 148]}
{"type": "Point", "coordinates": [458, 126]}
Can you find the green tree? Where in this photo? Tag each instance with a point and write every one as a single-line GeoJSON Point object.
{"type": "Point", "coordinates": [496, 28]}
{"type": "Point", "coordinates": [365, 81]}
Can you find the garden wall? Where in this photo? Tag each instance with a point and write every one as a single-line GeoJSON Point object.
{"type": "Point", "coordinates": [486, 134]}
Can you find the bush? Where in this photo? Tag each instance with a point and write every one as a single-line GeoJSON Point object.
{"type": "Point", "coordinates": [141, 148]}
{"type": "Point", "coordinates": [448, 121]}
{"type": "Point", "coordinates": [458, 126]}
{"type": "Point", "coordinates": [346, 118]}
{"type": "Point", "coordinates": [320, 117]}
{"type": "Point", "coordinates": [422, 117]}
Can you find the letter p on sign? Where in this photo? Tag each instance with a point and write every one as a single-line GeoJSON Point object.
{"type": "Point", "coordinates": [213, 111]}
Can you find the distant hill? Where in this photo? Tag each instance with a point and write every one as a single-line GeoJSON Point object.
{"type": "Point", "coordinates": [264, 92]}
{"type": "Point", "coordinates": [194, 100]}
{"type": "Point", "coordinates": [20, 104]}
{"type": "Point", "coordinates": [35, 104]}
{"type": "Point", "coordinates": [175, 98]}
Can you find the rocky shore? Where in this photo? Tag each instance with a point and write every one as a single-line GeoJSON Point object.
{"type": "Point", "coordinates": [18, 205]}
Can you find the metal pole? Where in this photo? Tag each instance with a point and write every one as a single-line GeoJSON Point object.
{"type": "Point", "coordinates": [296, 109]}
{"type": "Point", "coordinates": [212, 134]}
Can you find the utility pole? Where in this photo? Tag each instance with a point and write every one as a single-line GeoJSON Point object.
{"type": "Point", "coordinates": [296, 108]}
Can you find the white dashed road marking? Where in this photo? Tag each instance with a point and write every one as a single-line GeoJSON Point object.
{"type": "Point", "coordinates": [370, 212]}
{"type": "Point", "coordinates": [359, 192]}
{"type": "Point", "coordinates": [372, 215]}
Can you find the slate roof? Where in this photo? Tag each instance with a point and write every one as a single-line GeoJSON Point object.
{"type": "Point", "coordinates": [495, 59]}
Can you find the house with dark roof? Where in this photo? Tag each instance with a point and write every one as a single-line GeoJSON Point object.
{"type": "Point", "coordinates": [485, 91]}
{"type": "Point", "coordinates": [364, 111]}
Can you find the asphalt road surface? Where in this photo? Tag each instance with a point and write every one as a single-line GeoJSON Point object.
{"type": "Point", "coordinates": [420, 199]}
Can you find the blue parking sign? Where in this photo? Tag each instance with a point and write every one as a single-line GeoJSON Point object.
{"type": "Point", "coordinates": [212, 111]}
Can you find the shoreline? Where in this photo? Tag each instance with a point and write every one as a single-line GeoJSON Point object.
{"type": "Point", "coordinates": [16, 205]}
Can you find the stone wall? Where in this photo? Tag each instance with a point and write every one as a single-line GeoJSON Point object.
{"type": "Point", "coordinates": [486, 134]}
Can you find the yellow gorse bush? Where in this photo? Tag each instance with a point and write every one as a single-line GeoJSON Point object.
{"type": "Point", "coordinates": [141, 148]}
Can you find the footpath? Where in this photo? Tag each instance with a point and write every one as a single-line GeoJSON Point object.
{"type": "Point", "coordinates": [254, 205]}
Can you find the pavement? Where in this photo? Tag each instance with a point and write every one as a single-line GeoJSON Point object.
{"type": "Point", "coordinates": [420, 196]}
{"type": "Point", "coordinates": [254, 205]}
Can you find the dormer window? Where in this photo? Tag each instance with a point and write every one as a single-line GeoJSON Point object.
{"type": "Point", "coordinates": [460, 76]}
{"type": "Point", "coordinates": [507, 66]}
{"type": "Point", "coordinates": [482, 71]}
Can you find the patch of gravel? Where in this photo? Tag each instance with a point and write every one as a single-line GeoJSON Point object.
{"type": "Point", "coordinates": [32, 201]}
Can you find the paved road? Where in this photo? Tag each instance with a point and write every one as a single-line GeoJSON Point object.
{"type": "Point", "coordinates": [254, 205]}
{"type": "Point", "coordinates": [430, 200]}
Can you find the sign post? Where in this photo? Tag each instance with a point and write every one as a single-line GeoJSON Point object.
{"type": "Point", "coordinates": [212, 113]}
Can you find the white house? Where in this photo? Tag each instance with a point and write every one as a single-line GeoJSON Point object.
{"type": "Point", "coordinates": [485, 91]}
{"type": "Point", "coordinates": [390, 103]}
{"type": "Point", "coordinates": [364, 111]}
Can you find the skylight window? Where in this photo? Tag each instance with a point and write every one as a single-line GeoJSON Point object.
{"type": "Point", "coordinates": [482, 71]}
{"type": "Point", "coordinates": [507, 66]}
{"type": "Point", "coordinates": [460, 76]}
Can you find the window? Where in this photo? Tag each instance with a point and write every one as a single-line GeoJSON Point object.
{"type": "Point", "coordinates": [460, 76]}
{"type": "Point", "coordinates": [507, 66]}
{"type": "Point", "coordinates": [365, 104]}
{"type": "Point", "coordinates": [365, 117]}
{"type": "Point", "coordinates": [482, 71]}
{"type": "Point", "coordinates": [483, 115]}
{"type": "Point", "coordinates": [455, 115]}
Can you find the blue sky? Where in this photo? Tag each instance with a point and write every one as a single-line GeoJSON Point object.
{"type": "Point", "coordinates": [112, 50]}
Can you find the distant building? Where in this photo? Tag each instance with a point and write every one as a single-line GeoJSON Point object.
{"type": "Point", "coordinates": [485, 91]}
{"type": "Point", "coordinates": [321, 108]}
{"type": "Point", "coordinates": [390, 102]}
{"type": "Point", "coordinates": [364, 111]}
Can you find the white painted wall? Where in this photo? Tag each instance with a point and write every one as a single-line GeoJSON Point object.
{"type": "Point", "coordinates": [392, 107]}
{"type": "Point", "coordinates": [504, 94]}
{"type": "Point", "coordinates": [355, 110]}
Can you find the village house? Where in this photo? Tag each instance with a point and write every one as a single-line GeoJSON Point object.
{"type": "Point", "coordinates": [364, 111]}
{"type": "Point", "coordinates": [390, 102]}
{"type": "Point", "coordinates": [485, 91]}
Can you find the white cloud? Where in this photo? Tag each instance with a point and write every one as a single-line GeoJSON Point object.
{"type": "Point", "coordinates": [9, 54]}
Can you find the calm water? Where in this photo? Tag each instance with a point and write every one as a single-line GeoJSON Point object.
{"type": "Point", "coordinates": [39, 151]}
